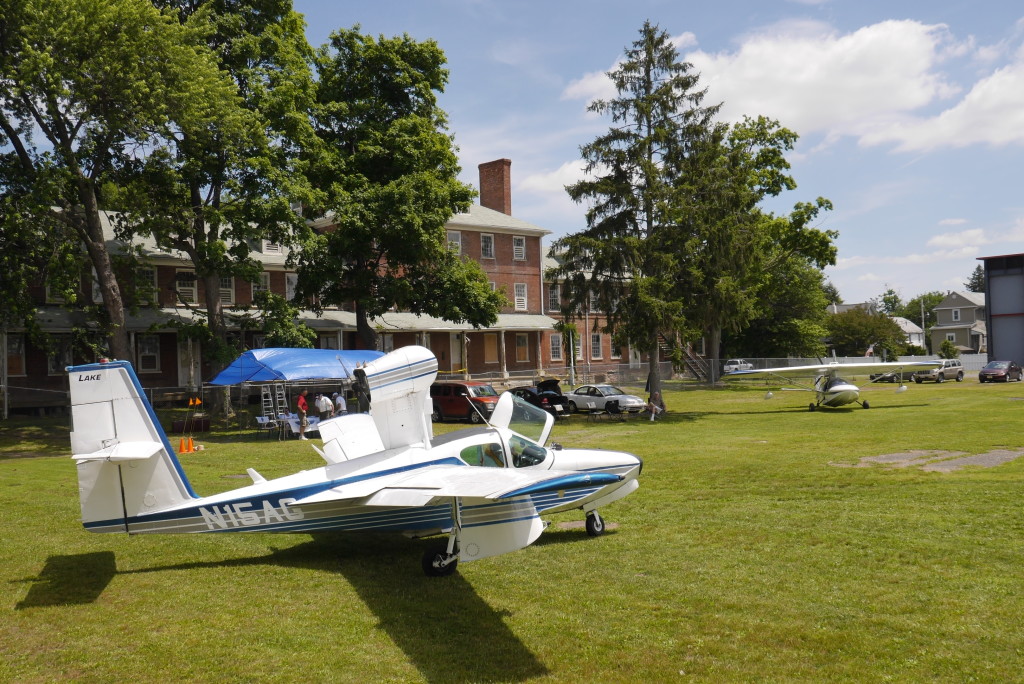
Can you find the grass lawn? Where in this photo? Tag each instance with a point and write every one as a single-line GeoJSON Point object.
{"type": "Point", "coordinates": [753, 550]}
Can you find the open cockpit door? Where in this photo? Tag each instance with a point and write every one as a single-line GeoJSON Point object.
{"type": "Point", "coordinates": [523, 418]}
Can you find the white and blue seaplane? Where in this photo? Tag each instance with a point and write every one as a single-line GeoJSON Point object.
{"type": "Point", "coordinates": [486, 487]}
{"type": "Point", "coordinates": [824, 379]}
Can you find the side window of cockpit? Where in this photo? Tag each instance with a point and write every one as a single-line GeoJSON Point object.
{"type": "Point", "coordinates": [487, 455]}
{"type": "Point", "coordinates": [525, 454]}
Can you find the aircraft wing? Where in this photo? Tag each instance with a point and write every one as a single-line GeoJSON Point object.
{"type": "Point", "coordinates": [791, 373]}
{"type": "Point", "coordinates": [424, 485]}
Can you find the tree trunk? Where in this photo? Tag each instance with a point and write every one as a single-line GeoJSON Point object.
{"type": "Point", "coordinates": [219, 331]}
{"type": "Point", "coordinates": [714, 344]}
{"type": "Point", "coordinates": [654, 372]}
{"type": "Point", "coordinates": [367, 335]}
{"type": "Point", "coordinates": [90, 229]}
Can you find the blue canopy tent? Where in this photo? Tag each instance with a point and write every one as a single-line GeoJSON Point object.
{"type": "Point", "coordinates": [279, 365]}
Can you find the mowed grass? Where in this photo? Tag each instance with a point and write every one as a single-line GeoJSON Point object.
{"type": "Point", "coordinates": [748, 553]}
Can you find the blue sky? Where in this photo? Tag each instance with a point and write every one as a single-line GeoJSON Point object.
{"type": "Point", "coordinates": [910, 114]}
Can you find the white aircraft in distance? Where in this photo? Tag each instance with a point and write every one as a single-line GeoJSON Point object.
{"type": "Point", "coordinates": [823, 379]}
{"type": "Point", "coordinates": [486, 487]}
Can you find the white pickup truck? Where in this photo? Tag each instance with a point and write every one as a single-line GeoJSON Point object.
{"type": "Point", "coordinates": [736, 364]}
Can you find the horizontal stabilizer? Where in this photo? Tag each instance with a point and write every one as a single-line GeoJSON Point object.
{"type": "Point", "coordinates": [123, 451]}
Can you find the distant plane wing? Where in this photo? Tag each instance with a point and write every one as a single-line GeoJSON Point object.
{"type": "Point", "coordinates": [794, 373]}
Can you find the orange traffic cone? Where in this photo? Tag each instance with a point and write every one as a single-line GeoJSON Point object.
{"type": "Point", "coordinates": [181, 446]}
{"type": "Point", "coordinates": [191, 446]}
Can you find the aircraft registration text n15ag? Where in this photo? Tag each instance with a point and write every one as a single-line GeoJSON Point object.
{"type": "Point", "coordinates": [486, 487]}
{"type": "Point", "coordinates": [824, 381]}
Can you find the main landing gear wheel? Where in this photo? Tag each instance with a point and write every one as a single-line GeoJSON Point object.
{"type": "Point", "coordinates": [595, 524]}
{"type": "Point", "coordinates": [438, 563]}
{"type": "Point", "coordinates": [865, 404]}
{"type": "Point", "coordinates": [811, 407]}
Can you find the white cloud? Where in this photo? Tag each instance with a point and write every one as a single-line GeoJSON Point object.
{"type": "Point", "coordinates": [554, 181]}
{"type": "Point", "coordinates": [813, 79]}
{"type": "Point", "coordinates": [967, 238]}
{"type": "Point", "coordinates": [991, 113]}
{"type": "Point", "coordinates": [952, 222]}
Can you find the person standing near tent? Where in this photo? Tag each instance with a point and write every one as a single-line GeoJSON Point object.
{"type": "Point", "coordinates": [303, 409]}
{"type": "Point", "coordinates": [324, 406]}
{"type": "Point", "coordinates": [339, 404]}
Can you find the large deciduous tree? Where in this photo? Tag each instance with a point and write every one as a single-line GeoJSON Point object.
{"type": "Point", "coordinates": [215, 188]}
{"type": "Point", "coordinates": [732, 249]}
{"type": "Point", "coordinates": [388, 170]}
{"type": "Point", "coordinates": [854, 332]}
{"type": "Point", "coordinates": [85, 85]}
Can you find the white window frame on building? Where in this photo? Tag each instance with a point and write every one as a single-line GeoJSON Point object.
{"type": "Point", "coordinates": [147, 353]}
{"type": "Point", "coordinates": [227, 290]}
{"type": "Point", "coordinates": [186, 293]}
{"type": "Point", "coordinates": [554, 297]}
{"type": "Point", "coordinates": [330, 341]}
{"type": "Point", "coordinates": [951, 337]}
{"type": "Point", "coordinates": [956, 315]}
{"type": "Point", "coordinates": [556, 347]}
{"type": "Point", "coordinates": [494, 285]}
{"type": "Point", "coordinates": [61, 356]}
{"type": "Point", "coordinates": [521, 292]}
{"type": "Point", "coordinates": [150, 297]}
{"type": "Point", "coordinates": [595, 346]}
{"type": "Point", "coordinates": [518, 248]}
{"type": "Point", "coordinates": [616, 352]}
{"type": "Point", "coordinates": [577, 346]}
{"type": "Point", "coordinates": [595, 305]}
{"type": "Point", "coordinates": [291, 283]}
{"type": "Point", "coordinates": [486, 246]}
{"type": "Point", "coordinates": [262, 284]}
{"type": "Point", "coordinates": [387, 342]}
{"type": "Point", "coordinates": [455, 241]}
{"type": "Point", "coordinates": [269, 247]}
{"type": "Point", "coordinates": [16, 355]}
{"type": "Point", "coordinates": [522, 347]}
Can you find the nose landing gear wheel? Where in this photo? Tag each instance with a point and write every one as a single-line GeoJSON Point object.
{"type": "Point", "coordinates": [595, 524]}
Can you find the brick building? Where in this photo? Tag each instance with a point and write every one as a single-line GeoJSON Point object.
{"type": "Point", "coordinates": [522, 344]}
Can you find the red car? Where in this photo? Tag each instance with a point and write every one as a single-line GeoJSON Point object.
{"type": "Point", "coordinates": [1000, 371]}
{"type": "Point", "coordinates": [463, 400]}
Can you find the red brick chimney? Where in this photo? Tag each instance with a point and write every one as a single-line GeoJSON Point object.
{"type": "Point", "coordinates": [496, 185]}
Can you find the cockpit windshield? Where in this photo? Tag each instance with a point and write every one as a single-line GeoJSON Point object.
{"type": "Point", "coordinates": [528, 420]}
{"type": "Point", "coordinates": [834, 382]}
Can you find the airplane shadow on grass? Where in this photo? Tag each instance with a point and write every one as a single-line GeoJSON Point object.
{"type": "Point", "coordinates": [457, 638]}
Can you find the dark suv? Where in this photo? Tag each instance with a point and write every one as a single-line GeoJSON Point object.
{"type": "Point", "coordinates": [452, 399]}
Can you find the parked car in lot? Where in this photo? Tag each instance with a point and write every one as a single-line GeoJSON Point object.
{"type": "Point", "coordinates": [594, 398]}
{"type": "Point", "coordinates": [1000, 371]}
{"type": "Point", "coordinates": [452, 399]}
{"type": "Point", "coordinates": [547, 395]}
{"type": "Point", "coordinates": [737, 364]}
{"type": "Point", "coordinates": [893, 376]}
{"type": "Point", "coordinates": [951, 369]}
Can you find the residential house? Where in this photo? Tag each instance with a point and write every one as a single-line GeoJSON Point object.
{"type": "Point", "coordinates": [961, 318]}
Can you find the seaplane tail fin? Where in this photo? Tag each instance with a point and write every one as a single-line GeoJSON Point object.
{"type": "Point", "coordinates": [398, 385]}
{"type": "Point", "coordinates": [126, 466]}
